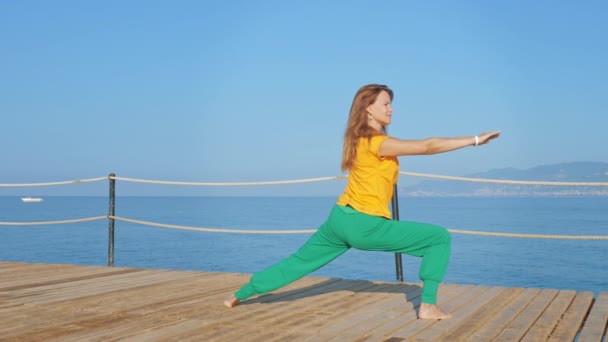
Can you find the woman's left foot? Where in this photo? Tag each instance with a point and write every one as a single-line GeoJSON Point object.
{"type": "Point", "coordinates": [431, 311]}
{"type": "Point", "coordinates": [231, 302]}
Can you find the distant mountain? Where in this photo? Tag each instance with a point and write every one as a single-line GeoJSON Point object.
{"type": "Point", "coordinates": [564, 172]}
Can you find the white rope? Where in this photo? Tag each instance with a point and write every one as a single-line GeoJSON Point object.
{"type": "Point", "coordinates": [36, 223]}
{"type": "Point", "coordinates": [499, 181]}
{"type": "Point", "coordinates": [530, 236]}
{"type": "Point", "coordinates": [296, 181]}
{"type": "Point", "coordinates": [213, 230]}
{"type": "Point", "coordinates": [310, 231]}
{"type": "Point", "coordinates": [308, 180]}
{"type": "Point", "coordinates": [300, 231]}
{"type": "Point", "coordinates": [412, 174]}
{"type": "Point", "coordinates": [76, 181]}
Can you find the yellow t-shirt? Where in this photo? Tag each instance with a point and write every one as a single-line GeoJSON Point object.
{"type": "Point", "coordinates": [371, 179]}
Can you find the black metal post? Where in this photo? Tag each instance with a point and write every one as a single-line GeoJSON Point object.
{"type": "Point", "coordinates": [111, 220]}
{"type": "Point", "coordinates": [395, 209]}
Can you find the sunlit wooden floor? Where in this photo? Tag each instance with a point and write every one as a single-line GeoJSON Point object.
{"type": "Point", "coordinates": [43, 302]}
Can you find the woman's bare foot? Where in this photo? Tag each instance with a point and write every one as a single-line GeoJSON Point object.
{"type": "Point", "coordinates": [431, 311]}
{"type": "Point", "coordinates": [231, 302]}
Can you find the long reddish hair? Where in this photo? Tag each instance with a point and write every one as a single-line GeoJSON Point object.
{"type": "Point", "coordinates": [357, 126]}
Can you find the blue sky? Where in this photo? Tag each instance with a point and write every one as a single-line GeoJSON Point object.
{"type": "Point", "coordinates": [229, 91]}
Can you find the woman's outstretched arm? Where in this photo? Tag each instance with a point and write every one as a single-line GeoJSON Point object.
{"type": "Point", "coordinates": [396, 147]}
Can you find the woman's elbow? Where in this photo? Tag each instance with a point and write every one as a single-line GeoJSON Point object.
{"type": "Point", "coordinates": [430, 148]}
{"type": "Point", "coordinates": [434, 146]}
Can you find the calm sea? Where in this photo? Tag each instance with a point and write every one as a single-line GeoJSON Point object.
{"type": "Point", "coordinates": [560, 264]}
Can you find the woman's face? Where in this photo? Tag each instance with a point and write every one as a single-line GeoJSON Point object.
{"type": "Point", "coordinates": [380, 111]}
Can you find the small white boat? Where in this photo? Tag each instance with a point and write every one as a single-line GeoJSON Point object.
{"type": "Point", "coordinates": [31, 199]}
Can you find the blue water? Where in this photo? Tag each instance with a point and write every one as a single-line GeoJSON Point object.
{"type": "Point", "coordinates": [560, 264]}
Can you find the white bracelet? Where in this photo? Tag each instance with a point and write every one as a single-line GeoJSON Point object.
{"type": "Point", "coordinates": [476, 140]}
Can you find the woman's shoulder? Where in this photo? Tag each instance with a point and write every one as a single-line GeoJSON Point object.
{"type": "Point", "coordinates": [372, 143]}
{"type": "Point", "coordinates": [378, 139]}
{"type": "Point", "coordinates": [374, 137]}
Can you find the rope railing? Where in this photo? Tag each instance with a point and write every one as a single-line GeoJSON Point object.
{"type": "Point", "coordinates": [111, 217]}
{"type": "Point", "coordinates": [214, 230]}
{"type": "Point", "coordinates": [295, 181]}
{"type": "Point", "coordinates": [530, 236]}
{"type": "Point", "coordinates": [38, 223]}
{"type": "Point", "coordinates": [307, 180]}
{"type": "Point", "coordinates": [502, 181]}
{"type": "Point", "coordinates": [75, 181]}
{"type": "Point", "coordinates": [310, 231]}
{"type": "Point", "coordinates": [290, 231]}
{"type": "Point", "coordinates": [322, 179]}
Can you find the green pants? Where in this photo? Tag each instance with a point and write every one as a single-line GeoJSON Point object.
{"type": "Point", "coordinates": [346, 228]}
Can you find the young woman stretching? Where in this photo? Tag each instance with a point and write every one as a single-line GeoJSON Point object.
{"type": "Point", "coordinates": [361, 218]}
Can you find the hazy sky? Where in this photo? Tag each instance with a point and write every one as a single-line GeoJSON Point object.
{"type": "Point", "coordinates": [230, 91]}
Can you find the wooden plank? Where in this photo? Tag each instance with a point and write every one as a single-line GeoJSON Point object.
{"type": "Point", "coordinates": [124, 295]}
{"type": "Point", "coordinates": [293, 314]}
{"type": "Point", "coordinates": [161, 332]}
{"type": "Point", "coordinates": [290, 335]}
{"type": "Point", "coordinates": [162, 298]}
{"type": "Point", "coordinates": [286, 307]}
{"type": "Point", "coordinates": [79, 293]}
{"type": "Point", "coordinates": [452, 306]}
{"type": "Point", "coordinates": [27, 292]}
{"type": "Point", "coordinates": [156, 318]}
{"type": "Point", "coordinates": [542, 328]}
{"type": "Point", "coordinates": [92, 287]}
{"type": "Point", "coordinates": [504, 317]}
{"type": "Point", "coordinates": [442, 328]}
{"type": "Point", "coordinates": [42, 323]}
{"type": "Point", "coordinates": [572, 320]}
{"type": "Point", "coordinates": [27, 267]}
{"type": "Point", "coordinates": [37, 271]}
{"type": "Point", "coordinates": [110, 327]}
{"type": "Point", "coordinates": [58, 317]}
{"type": "Point", "coordinates": [67, 321]}
{"type": "Point", "coordinates": [15, 271]}
{"type": "Point", "coordinates": [483, 315]}
{"type": "Point", "coordinates": [8, 305]}
{"type": "Point", "coordinates": [299, 289]}
{"type": "Point", "coordinates": [372, 317]}
{"type": "Point", "coordinates": [274, 334]}
{"type": "Point", "coordinates": [55, 278]}
{"type": "Point", "coordinates": [332, 319]}
{"type": "Point", "coordinates": [220, 314]}
{"type": "Point", "coordinates": [84, 303]}
{"type": "Point", "coordinates": [520, 325]}
{"type": "Point", "coordinates": [155, 298]}
{"type": "Point", "coordinates": [10, 265]}
{"type": "Point", "coordinates": [293, 299]}
{"type": "Point", "coordinates": [446, 294]}
{"type": "Point", "coordinates": [595, 324]}
{"type": "Point", "coordinates": [197, 306]}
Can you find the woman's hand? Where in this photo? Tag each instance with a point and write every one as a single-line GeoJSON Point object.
{"type": "Point", "coordinates": [485, 138]}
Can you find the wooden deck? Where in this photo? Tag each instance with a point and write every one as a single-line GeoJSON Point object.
{"type": "Point", "coordinates": [42, 302]}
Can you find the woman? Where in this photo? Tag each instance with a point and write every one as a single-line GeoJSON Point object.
{"type": "Point", "coordinates": [361, 218]}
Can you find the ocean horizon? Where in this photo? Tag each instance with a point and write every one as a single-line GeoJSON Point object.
{"type": "Point", "coordinates": [482, 260]}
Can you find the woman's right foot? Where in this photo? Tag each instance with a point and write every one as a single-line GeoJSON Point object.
{"type": "Point", "coordinates": [432, 311]}
{"type": "Point", "coordinates": [231, 302]}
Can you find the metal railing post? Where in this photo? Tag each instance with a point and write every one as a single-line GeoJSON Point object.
{"type": "Point", "coordinates": [111, 220]}
{"type": "Point", "coordinates": [395, 210]}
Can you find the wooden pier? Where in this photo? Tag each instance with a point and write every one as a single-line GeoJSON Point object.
{"type": "Point", "coordinates": [43, 302]}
